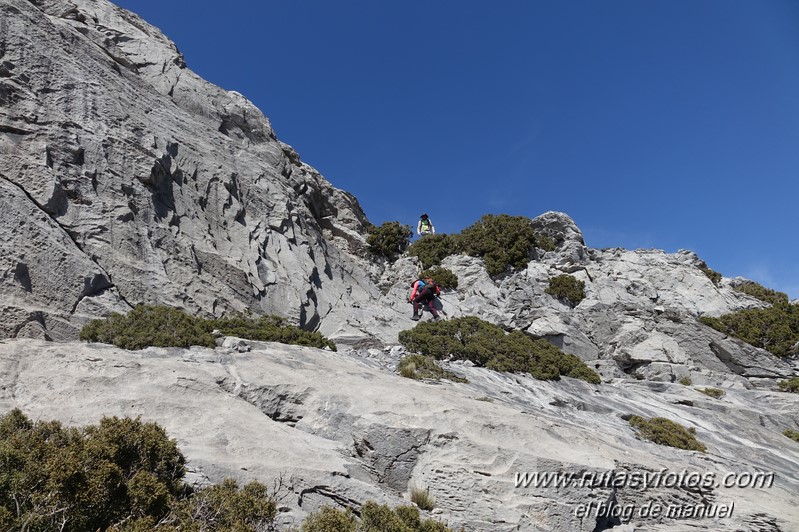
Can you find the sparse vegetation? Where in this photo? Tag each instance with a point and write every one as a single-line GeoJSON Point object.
{"type": "Point", "coordinates": [790, 385]}
{"type": "Point", "coordinates": [500, 240]}
{"type": "Point", "coordinates": [686, 381]}
{"type": "Point", "coordinates": [374, 518]}
{"type": "Point", "coordinates": [767, 295]}
{"type": "Point", "coordinates": [716, 393]}
{"type": "Point", "coordinates": [544, 242]}
{"type": "Point", "coordinates": [390, 240]}
{"type": "Point", "coordinates": [567, 288]}
{"type": "Point", "coordinates": [666, 432]}
{"type": "Point", "coordinates": [424, 367]}
{"type": "Point", "coordinates": [158, 326]}
{"type": "Point", "coordinates": [124, 475]}
{"type": "Point", "coordinates": [443, 277]}
{"type": "Point", "coordinates": [792, 434]}
{"type": "Point", "coordinates": [775, 328]}
{"type": "Point", "coordinates": [487, 345]}
{"type": "Point", "coordinates": [432, 249]}
{"type": "Point", "coordinates": [149, 326]}
{"type": "Point", "coordinates": [421, 497]}
{"type": "Point", "coordinates": [713, 275]}
{"type": "Point", "coordinates": [269, 329]}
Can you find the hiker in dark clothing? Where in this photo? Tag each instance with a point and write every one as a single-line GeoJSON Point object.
{"type": "Point", "coordinates": [424, 292]}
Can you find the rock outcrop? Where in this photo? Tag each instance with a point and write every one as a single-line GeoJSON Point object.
{"type": "Point", "coordinates": [128, 179]}
{"type": "Point", "coordinates": [125, 178]}
{"type": "Point", "coordinates": [340, 431]}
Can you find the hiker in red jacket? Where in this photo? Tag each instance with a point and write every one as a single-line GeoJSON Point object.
{"type": "Point", "coordinates": [424, 291]}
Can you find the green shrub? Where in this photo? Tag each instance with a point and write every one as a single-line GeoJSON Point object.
{"type": "Point", "coordinates": [424, 367]}
{"type": "Point", "coordinates": [767, 295]}
{"type": "Point", "coordinates": [791, 385]}
{"type": "Point", "coordinates": [714, 276]}
{"type": "Point", "coordinates": [443, 277]}
{"type": "Point", "coordinates": [666, 432]}
{"type": "Point", "coordinates": [269, 329]}
{"type": "Point", "coordinates": [500, 240]}
{"type": "Point", "coordinates": [487, 345]}
{"type": "Point", "coordinates": [56, 478]}
{"type": "Point", "coordinates": [421, 497]}
{"type": "Point", "coordinates": [792, 434]}
{"type": "Point", "coordinates": [374, 518]}
{"type": "Point", "coordinates": [226, 507]}
{"type": "Point", "coordinates": [389, 240]}
{"type": "Point", "coordinates": [328, 519]}
{"type": "Point", "coordinates": [544, 242]}
{"type": "Point", "coordinates": [775, 328]}
{"type": "Point", "coordinates": [716, 393]}
{"type": "Point", "coordinates": [567, 288]}
{"type": "Point", "coordinates": [124, 475]}
{"type": "Point", "coordinates": [432, 249]}
{"type": "Point", "coordinates": [686, 381]}
{"type": "Point", "coordinates": [147, 326]}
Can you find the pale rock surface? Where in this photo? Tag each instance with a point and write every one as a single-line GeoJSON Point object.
{"type": "Point", "coordinates": [340, 431]}
{"type": "Point", "coordinates": [153, 185]}
{"type": "Point", "coordinates": [125, 178]}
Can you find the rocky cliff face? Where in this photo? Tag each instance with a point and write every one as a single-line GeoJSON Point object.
{"type": "Point", "coordinates": [125, 178]}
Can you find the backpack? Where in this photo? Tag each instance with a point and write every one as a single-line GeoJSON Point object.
{"type": "Point", "coordinates": [425, 224]}
{"type": "Point", "coordinates": [433, 287]}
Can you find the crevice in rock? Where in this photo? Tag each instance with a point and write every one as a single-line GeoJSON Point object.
{"type": "Point", "coordinates": [328, 493]}
{"type": "Point", "coordinates": [280, 403]}
{"type": "Point", "coordinates": [14, 130]}
{"type": "Point", "coordinates": [109, 281]}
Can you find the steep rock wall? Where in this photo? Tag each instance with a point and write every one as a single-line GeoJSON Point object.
{"type": "Point", "coordinates": [128, 179]}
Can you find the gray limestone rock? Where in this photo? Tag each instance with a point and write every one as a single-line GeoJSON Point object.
{"type": "Point", "coordinates": [125, 178]}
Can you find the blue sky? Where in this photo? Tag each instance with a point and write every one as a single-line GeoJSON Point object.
{"type": "Point", "coordinates": [670, 124]}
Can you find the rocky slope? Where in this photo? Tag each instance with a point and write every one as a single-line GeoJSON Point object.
{"type": "Point", "coordinates": [125, 178]}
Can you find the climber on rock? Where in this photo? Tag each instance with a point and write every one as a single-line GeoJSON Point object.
{"type": "Point", "coordinates": [424, 292]}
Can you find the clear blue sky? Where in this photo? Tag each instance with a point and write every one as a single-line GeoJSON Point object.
{"type": "Point", "coordinates": [654, 124]}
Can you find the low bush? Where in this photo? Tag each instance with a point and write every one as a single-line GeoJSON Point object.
{"type": "Point", "coordinates": [686, 381]}
{"type": "Point", "coordinates": [269, 329]}
{"type": "Point", "coordinates": [443, 277]}
{"type": "Point", "coordinates": [421, 497]}
{"type": "Point", "coordinates": [149, 326]}
{"type": "Point", "coordinates": [432, 249]}
{"type": "Point", "coordinates": [567, 288]}
{"type": "Point", "coordinates": [122, 474]}
{"type": "Point", "coordinates": [500, 240]}
{"type": "Point", "coordinates": [419, 367]}
{"type": "Point", "coordinates": [714, 276]}
{"type": "Point", "coordinates": [716, 393]}
{"type": "Point", "coordinates": [374, 518]}
{"type": "Point", "coordinates": [544, 242]}
{"type": "Point", "coordinates": [767, 295]}
{"type": "Point", "coordinates": [775, 328]}
{"type": "Point", "coordinates": [485, 344]}
{"type": "Point", "coordinates": [792, 434]}
{"type": "Point", "coordinates": [790, 385]}
{"type": "Point", "coordinates": [158, 326]}
{"type": "Point", "coordinates": [666, 432]}
{"type": "Point", "coordinates": [389, 240]}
